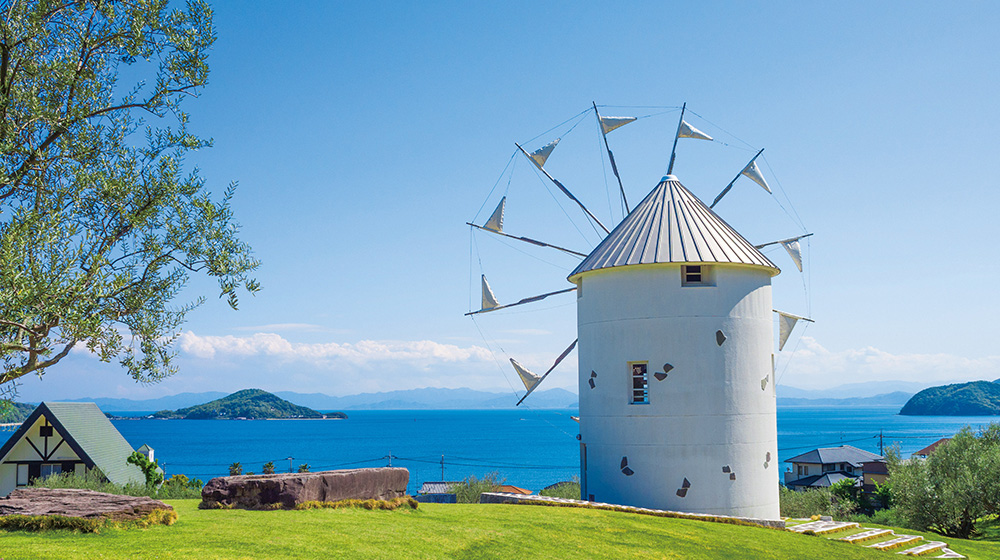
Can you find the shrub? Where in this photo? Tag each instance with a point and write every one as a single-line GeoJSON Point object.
{"type": "Point", "coordinates": [304, 467]}
{"type": "Point", "coordinates": [150, 469]}
{"type": "Point", "coordinates": [235, 469]}
{"type": "Point", "coordinates": [955, 488]}
{"type": "Point", "coordinates": [366, 504]}
{"type": "Point", "coordinates": [468, 491]}
{"type": "Point", "coordinates": [92, 479]}
{"type": "Point", "coordinates": [889, 517]}
{"type": "Point", "coordinates": [569, 489]}
{"type": "Point", "coordinates": [268, 468]}
{"type": "Point", "coordinates": [815, 501]}
{"type": "Point", "coordinates": [36, 523]}
{"type": "Point", "coordinates": [180, 487]}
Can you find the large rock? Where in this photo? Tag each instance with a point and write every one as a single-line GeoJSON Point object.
{"type": "Point", "coordinates": [77, 503]}
{"type": "Point", "coordinates": [290, 489]}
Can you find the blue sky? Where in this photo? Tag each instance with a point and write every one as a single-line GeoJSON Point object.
{"type": "Point", "coordinates": [363, 136]}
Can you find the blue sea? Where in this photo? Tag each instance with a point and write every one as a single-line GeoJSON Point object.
{"type": "Point", "coordinates": [529, 448]}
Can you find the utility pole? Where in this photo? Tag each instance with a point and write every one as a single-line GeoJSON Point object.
{"type": "Point", "coordinates": [390, 458]}
{"type": "Point", "coordinates": [290, 463]}
{"type": "Point", "coordinates": [880, 450]}
{"type": "Point", "coordinates": [442, 468]}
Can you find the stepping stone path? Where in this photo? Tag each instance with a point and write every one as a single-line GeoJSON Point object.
{"type": "Point", "coordinates": [868, 535]}
{"type": "Point", "coordinates": [827, 526]}
{"type": "Point", "coordinates": [900, 540]}
{"type": "Point", "coordinates": [824, 527]}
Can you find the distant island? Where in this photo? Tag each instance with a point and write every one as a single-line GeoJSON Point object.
{"type": "Point", "coordinates": [977, 398]}
{"type": "Point", "coordinates": [248, 404]}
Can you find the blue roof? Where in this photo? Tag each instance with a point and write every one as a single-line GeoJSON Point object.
{"type": "Point", "coordinates": [820, 480]}
{"type": "Point", "coordinates": [843, 454]}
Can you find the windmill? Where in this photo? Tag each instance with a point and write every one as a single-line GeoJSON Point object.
{"type": "Point", "coordinates": [675, 347]}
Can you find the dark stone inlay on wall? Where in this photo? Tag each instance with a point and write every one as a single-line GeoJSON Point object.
{"type": "Point", "coordinates": [768, 457]}
{"type": "Point", "coordinates": [627, 471]}
{"type": "Point", "coordinates": [661, 375]}
{"type": "Point", "coordinates": [732, 476]}
{"type": "Point", "coordinates": [763, 383]}
{"type": "Point", "coordinates": [591, 383]}
{"type": "Point", "coordinates": [624, 462]}
{"type": "Point", "coordinates": [720, 337]}
{"type": "Point", "coordinates": [686, 483]}
{"type": "Point", "coordinates": [726, 469]}
{"type": "Point", "coordinates": [682, 492]}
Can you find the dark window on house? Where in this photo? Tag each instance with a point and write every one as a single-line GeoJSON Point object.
{"type": "Point", "coordinates": [45, 431]}
{"type": "Point", "coordinates": [830, 468]}
{"type": "Point", "coordinates": [800, 470]}
{"type": "Point", "coordinates": [640, 382]}
{"type": "Point", "coordinates": [696, 275]}
{"type": "Point", "coordinates": [49, 469]}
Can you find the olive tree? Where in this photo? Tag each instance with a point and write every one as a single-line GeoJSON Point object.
{"type": "Point", "coordinates": [951, 490]}
{"type": "Point", "coordinates": [100, 225]}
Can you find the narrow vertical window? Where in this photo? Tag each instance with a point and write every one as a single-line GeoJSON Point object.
{"type": "Point", "coordinates": [640, 382]}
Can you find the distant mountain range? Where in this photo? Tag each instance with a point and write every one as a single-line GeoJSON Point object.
{"type": "Point", "coordinates": [894, 398]}
{"type": "Point", "coordinates": [856, 394]}
{"type": "Point", "coordinates": [428, 398]}
{"type": "Point", "coordinates": [853, 390]}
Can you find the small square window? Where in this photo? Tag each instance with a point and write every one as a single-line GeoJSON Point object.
{"type": "Point", "coordinates": [45, 431]}
{"type": "Point", "coordinates": [696, 275]}
{"type": "Point", "coordinates": [640, 382]}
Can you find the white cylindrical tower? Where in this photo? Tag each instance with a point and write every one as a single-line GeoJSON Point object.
{"type": "Point", "coordinates": [677, 402]}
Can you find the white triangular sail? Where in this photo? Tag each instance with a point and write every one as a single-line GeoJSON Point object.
{"type": "Point", "coordinates": [794, 251]}
{"type": "Point", "coordinates": [752, 172]}
{"type": "Point", "coordinates": [489, 300]}
{"type": "Point", "coordinates": [541, 155]}
{"type": "Point", "coordinates": [786, 322]}
{"type": "Point", "coordinates": [688, 131]}
{"type": "Point", "coordinates": [495, 223]}
{"type": "Point", "coordinates": [610, 123]}
{"type": "Point", "coordinates": [528, 378]}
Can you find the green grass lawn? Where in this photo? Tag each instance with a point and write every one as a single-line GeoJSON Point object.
{"type": "Point", "coordinates": [441, 531]}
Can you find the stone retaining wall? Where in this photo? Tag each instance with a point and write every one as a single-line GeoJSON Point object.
{"type": "Point", "coordinates": [504, 498]}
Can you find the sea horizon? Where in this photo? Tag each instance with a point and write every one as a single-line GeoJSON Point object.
{"type": "Point", "coordinates": [529, 448]}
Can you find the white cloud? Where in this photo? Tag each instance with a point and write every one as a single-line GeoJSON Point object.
{"type": "Point", "coordinates": [361, 353]}
{"type": "Point", "coordinates": [814, 367]}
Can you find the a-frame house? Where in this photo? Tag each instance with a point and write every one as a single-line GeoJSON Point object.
{"type": "Point", "coordinates": [62, 437]}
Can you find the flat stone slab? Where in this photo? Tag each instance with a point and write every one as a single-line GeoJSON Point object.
{"type": "Point", "coordinates": [867, 535]}
{"type": "Point", "coordinates": [505, 498]}
{"type": "Point", "coordinates": [900, 540]}
{"type": "Point", "coordinates": [70, 502]}
{"type": "Point", "coordinates": [290, 489]}
{"type": "Point", "coordinates": [924, 548]}
{"type": "Point", "coordinates": [824, 527]}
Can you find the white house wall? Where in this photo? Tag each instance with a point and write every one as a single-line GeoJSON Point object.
{"type": "Point", "coordinates": [711, 421]}
{"type": "Point", "coordinates": [22, 451]}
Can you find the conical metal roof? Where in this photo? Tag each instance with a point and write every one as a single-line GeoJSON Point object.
{"type": "Point", "coordinates": [671, 225]}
